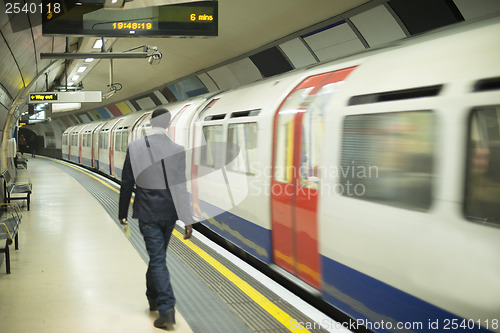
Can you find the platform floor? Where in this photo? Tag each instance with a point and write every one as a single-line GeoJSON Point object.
{"type": "Point", "coordinates": [75, 271]}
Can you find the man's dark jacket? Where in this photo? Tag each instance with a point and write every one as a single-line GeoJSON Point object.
{"type": "Point", "coordinates": [155, 200]}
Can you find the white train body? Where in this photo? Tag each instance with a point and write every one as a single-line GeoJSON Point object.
{"type": "Point", "coordinates": [374, 178]}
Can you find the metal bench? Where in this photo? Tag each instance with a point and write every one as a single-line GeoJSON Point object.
{"type": "Point", "coordinates": [10, 219]}
{"type": "Point", "coordinates": [14, 187]}
{"type": "Point", "coordinates": [20, 162]}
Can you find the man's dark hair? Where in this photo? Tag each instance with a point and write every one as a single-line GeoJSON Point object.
{"type": "Point", "coordinates": [160, 118]}
{"type": "Point", "coordinates": [158, 112]}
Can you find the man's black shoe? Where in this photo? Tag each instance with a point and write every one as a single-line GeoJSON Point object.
{"type": "Point", "coordinates": [166, 320]}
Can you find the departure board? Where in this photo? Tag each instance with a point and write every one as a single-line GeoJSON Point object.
{"type": "Point", "coordinates": [195, 19]}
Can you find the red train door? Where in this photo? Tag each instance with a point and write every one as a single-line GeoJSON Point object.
{"type": "Point", "coordinates": [80, 142]}
{"type": "Point", "coordinates": [295, 177]}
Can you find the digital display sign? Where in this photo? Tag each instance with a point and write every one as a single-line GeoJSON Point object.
{"type": "Point", "coordinates": [195, 19]}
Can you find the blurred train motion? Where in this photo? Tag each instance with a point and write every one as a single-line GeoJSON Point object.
{"type": "Point", "coordinates": [374, 178]}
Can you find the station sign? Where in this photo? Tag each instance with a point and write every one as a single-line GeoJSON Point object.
{"type": "Point", "coordinates": [65, 97]}
{"type": "Point", "coordinates": [42, 97]}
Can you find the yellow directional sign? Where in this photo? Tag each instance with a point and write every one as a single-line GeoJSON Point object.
{"type": "Point", "coordinates": [42, 98]}
{"type": "Point", "coordinates": [65, 97]}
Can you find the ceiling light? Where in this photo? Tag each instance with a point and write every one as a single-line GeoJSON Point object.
{"type": "Point", "coordinates": [89, 59]}
{"type": "Point", "coordinates": [113, 4]}
{"type": "Point", "coordinates": [75, 77]}
{"type": "Point", "coordinates": [71, 83]}
{"type": "Point", "coordinates": [81, 69]}
{"type": "Point", "coordinates": [97, 44]}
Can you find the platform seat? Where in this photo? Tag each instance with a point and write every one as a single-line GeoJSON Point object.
{"type": "Point", "coordinates": [20, 162]}
{"type": "Point", "coordinates": [10, 219]}
{"type": "Point", "coordinates": [12, 186]}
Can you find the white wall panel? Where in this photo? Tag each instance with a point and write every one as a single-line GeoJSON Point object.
{"type": "Point", "coordinates": [472, 9]}
{"type": "Point", "coordinates": [146, 103]}
{"type": "Point", "coordinates": [57, 133]}
{"type": "Point", "coordinates": [334, 43]}
{"type": "Point", "coordinates": [378, 26]}
{"type": "Point", "coordinates": [245, 71]}
{"type": "Point", "coordinates": [208, 82]}
{"type": "Point", "coordinates": [158, 95]}
{"type": "Point", "coordinates": [84, 118]}
{"type": "Point", "coordinates": [298, 54]}
{"type": "Point", "coordinates": [224, 77]}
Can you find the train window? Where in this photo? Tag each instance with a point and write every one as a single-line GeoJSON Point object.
{"type": "Point", "coordinates": [283, 164]}
{"type": "Point", "coordinates": [487, 84]}
{"type": "Point", "coordinates": [103, 140]}
{"type": "Point", "coordinates": [312, 138]}
{"type": "Point", "coordinates": [396, 95]}
{"type": "Point", "coordinates": [86, 139]}
{"type": "Point", "coordinates": [482, 190]}
{"type": "Point", "coordinates": [389, 158]}
{"type": "Point", "coordinates": [118, 141]}
{"type": "Point", "coordinates": [214, 140]}
{"type": "Point", "coordinates": [74, 139]}
{"type": "Point", "coordinates": [244, 137]}
{"type": "Point", "coordinates": [250, 113]}
{"type": "Point", "coordinates": [124, 141]}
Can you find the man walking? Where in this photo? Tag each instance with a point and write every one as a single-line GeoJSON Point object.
{"type": "Point", "coordinates": [157, 166]}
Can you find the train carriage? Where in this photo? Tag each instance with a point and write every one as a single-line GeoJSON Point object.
{"type": "Point", "coordinates": [394, 215]}
{"type": "Point", "coordinates": [373, 178]}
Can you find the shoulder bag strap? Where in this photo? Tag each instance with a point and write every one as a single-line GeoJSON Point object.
{"type": "Point", "coordinates": [152, 161]}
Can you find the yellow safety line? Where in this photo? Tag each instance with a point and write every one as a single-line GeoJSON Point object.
{"type": "Point", "coordinates": [280, 315]}
{"type": "Point", "coordinates": [256, 296]}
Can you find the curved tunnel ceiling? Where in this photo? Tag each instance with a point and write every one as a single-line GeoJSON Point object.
{"type": "Point", "coordinates": [243, 26]}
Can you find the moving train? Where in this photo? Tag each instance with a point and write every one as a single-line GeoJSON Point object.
{"type": "Point", "coordinates": [374, 178]}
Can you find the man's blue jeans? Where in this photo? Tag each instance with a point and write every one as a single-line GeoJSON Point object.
{"type": "Point", "coordinates": [157, 236]}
